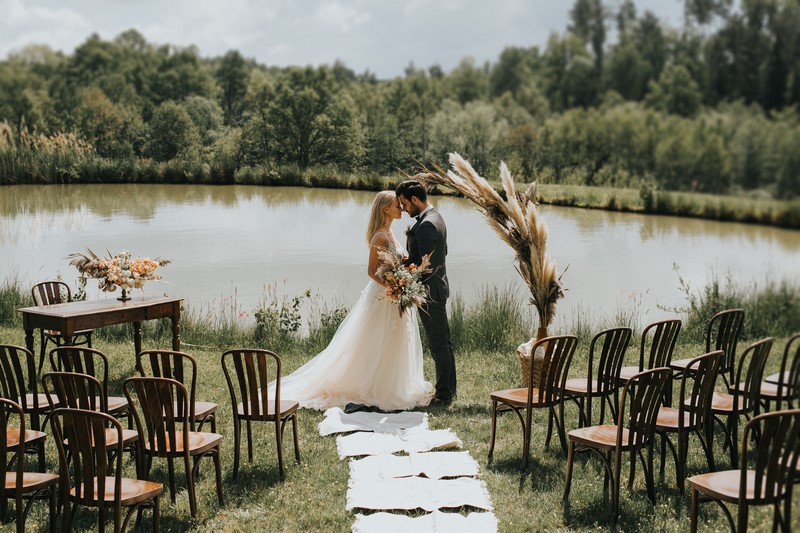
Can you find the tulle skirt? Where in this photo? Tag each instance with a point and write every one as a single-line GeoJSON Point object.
{"type": "Point", "coordinates": [375, 359]}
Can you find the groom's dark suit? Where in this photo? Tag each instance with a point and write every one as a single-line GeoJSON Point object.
{"type": "Point", "coordinates": [429, 236]}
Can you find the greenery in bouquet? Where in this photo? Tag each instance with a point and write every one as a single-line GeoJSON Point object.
{"type": "Point", "coordinates": [118, 270]}
{"type": "Point", "coordinates": [405, 287]}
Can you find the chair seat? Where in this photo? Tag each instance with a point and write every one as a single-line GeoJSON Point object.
{"type": "Point", "coordinates": [30, 481]}
{"type": "Point", "coordinates": [519, 397]}
{"type": "Point", "coordinates": [580, 386]}
{"type": "Point", "coordinates": [133, 491]}
{"type": "Point", "coordinates": [286, 407]}
{"type": "Point", "coordinates": [41, 401]}
{"type": "Point", "coordinates": [128, 436]}
{"type": "Point", "coordinates": [722, 403]}
{"type": "Point", "coordinates": [199, 442]}
{"type": "Point", "coordinates": [604, 437]}
{"type": "Point", "coordinates": [770, 390]}
{"type": "Point", "coordinates": [628, 372]}
{"type": "Point", "coordinates": [725, 485]}
{"type": "Point", "coordinates": [117, 404]}
{"type": "Point", "coordinates": [669, 419]}
{"type": "Point", "coordinates": [204, 409]}
{"type": "Point", "coordinates": [31, 436]}
{"type": "Point", "coordinates": [680, 364]}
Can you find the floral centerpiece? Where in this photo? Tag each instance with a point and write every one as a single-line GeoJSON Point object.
{"type": "Point", "coordinates": [118, 270]}
{"type": "Point", "coordinates": [405, 287]}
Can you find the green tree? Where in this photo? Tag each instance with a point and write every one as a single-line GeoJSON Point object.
{"type": "Point", "coordinates": [172, 134]}
{"type": "Point", "coordinates": [232, 75]}
{"type": "Point", "coordinates": [207, 117]}
{"type": "Point", "coordinates": [114, 130]}
{"type": "Point", "coordinates": [676, 92]}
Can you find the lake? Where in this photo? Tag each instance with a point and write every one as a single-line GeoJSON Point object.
{"type": "Point", "coordinates": [234, 246]}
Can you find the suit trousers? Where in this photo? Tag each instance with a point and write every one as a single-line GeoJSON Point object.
{"type": "Point", "coordinates": [437, 330]}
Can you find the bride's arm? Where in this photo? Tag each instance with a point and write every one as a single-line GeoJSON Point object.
{"type": "Point", "coordinates": [379, 241]}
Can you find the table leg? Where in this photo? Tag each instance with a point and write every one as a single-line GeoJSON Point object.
{"type": "Point", "coordinates": [29, 340]}
{"type": "Point", "coordinates": [137, 337]}
{"type": "Point", "coordinates": [176, 333]}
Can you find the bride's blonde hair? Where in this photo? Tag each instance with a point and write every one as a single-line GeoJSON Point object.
{"type": "Point", "coordinates": [377, 215]}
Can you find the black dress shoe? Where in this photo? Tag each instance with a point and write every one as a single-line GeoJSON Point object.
{"type": "Point", "coordinates": [354, 408]}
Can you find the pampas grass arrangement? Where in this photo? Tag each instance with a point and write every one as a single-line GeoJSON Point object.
{"type": "Point", "coordinates": [515, 219]}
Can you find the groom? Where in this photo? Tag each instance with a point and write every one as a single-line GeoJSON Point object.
{"type": "Point", "coordinates": [429, 236]}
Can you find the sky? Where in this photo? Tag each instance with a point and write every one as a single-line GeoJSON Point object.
{"type": "Point", "coordinates": [379, 36]}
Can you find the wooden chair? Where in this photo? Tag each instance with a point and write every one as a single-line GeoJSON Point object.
{"type": "Point", "coordinates": [18, 483]}
{"type": "Point", "coordinates": [181, 367]}
{"type": "Point", "coordinates": [693, 414]}
{"type": "Point", "coordinates": [742, 398]}
{"type": "Point", "coordinates": [19, 383]}
{"type": "Point", "coordinates": [82, 391]}
{"type": "Point", "coordinates": [558, 353]}
{"type": "Point", "coordinates": [248, 373]}
{"type": "Point", "coordinates": [89, 479]}
{"type": "Point", "coordinates": [93, 363]}
{"type": "Point", "coordinates": [658, 342]}
{"type": "Point", "coordinates": [765, 479]}
{"type": "Point", "coordinates": [603, 381]}
{"type": "Point", "coordinates": [784, 387]}
{"type": "Point", "coordinates": [633, 432]}
{"type": "Point", "coordinates": [50, 293]}
{"type": "Point", "coordinates": [722, 333]}
{"type": "Point", "coordinates": [165, 431]}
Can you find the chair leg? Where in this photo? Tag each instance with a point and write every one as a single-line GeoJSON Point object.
{"type": "Point", "coordinates": [190, 485]}
{"type": "Point", "coordinates": [568, 482]}
{"type": "Point", "coordinates": [526, 435]}
{"type": "Point", "coordinates": [615, 483]}
{"type": "Point", "coordinates": [218, 468]}
{"type": "Point", "coordinates": [171, 470]}
{"type": "Point", "coordinates": [279, 444]}
{"type": "Point", "coordinates": [156, 514]}
{"type": "Point", "coordinates": [742, 517]}
{"type": "Point", "coordinates": [733, 421]}
{"type": "Point", "coordinates": [249, 441]}
{"type": "Point", "coordinates": [296, 443]}
{"type": "Point", "coordinates": [693, 512]}
{"type": "Point", "coordinates": [493, 430]}
{"type": "Point", "coordinates": [649, 474]}
{"type": "Point", "coordinates": [237, 436]}
{"type": "Point", "coordinates": [52, 509]}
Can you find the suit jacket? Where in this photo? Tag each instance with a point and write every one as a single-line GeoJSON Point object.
{"type": "Point", "coordinates": [429, 236]}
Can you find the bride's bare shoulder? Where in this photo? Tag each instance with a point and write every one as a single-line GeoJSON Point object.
{"type": "Point", "coordinates": [381, 239]}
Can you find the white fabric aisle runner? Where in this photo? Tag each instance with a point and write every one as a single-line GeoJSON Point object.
{"type": "Point", "coordinates": [437, 522]}
{"type": "Point", "coordinates": [337, 421]}
{"type": "Point", "coordinates": [404, 440]}
{"type": "Point", "coordinates": [418, 493]}
{"type": "Point", "coordinates": [434, 465]}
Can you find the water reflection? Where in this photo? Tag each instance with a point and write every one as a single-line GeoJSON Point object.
{"type": "Point", "coordinates": [233, 241]}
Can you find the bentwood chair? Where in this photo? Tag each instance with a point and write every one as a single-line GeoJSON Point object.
{"type": "Point", "coordinates": [641, 399]}
{"type": "Point", "coordinates": [18, 382]}
{"type": "Point", "coordinates": [50, 293]}
{"type": "Point", "coordinates": [658, 342]}
{"type": "Point", "coordinates": [93, 363]}
{"type": "Point", "coordinates": [722, 333]}
{"type": "Point", "coordinates": [160, 409]}
{"type": "Point", "coordinates": [248, 373]}
{"type": "Point", "coordinates": [558, 351]}
{"type": "Point", "coordinates": [89, 478]}
{"type": "Point", "coordinates": [82, 391]}
{"type": "Point", "coordinates": [784, 387]}
{"type": "Point", "coordinates": [742, 398]}
{"type": "Point", "coordinates": [18, 483]}
{"type": "Point", "coordinates": [693, 414]}
{"type": "Point", "coordinates": [764, 477]}
{"type": "Point", "coordinates": [181, 367]}
{"type": "Point", "coordinates": [601, 382]}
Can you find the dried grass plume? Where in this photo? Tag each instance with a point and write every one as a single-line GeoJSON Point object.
{"type": "Point", "coordinates": [515, 220]}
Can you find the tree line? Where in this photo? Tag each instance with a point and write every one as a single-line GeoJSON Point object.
{"type": "Point", "coordinates": [711, 106]}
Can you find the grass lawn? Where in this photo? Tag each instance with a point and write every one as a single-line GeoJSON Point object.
{"type": "Point", "coordinates": [313, 496]}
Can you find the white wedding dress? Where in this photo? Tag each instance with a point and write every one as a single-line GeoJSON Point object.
{"type": "Point", "coordinates": [375, 359]}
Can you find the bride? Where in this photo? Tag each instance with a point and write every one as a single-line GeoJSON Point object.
{"type": "Point", "coordinates": [375, 357]}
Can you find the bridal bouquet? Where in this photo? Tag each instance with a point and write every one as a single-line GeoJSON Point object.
{"type": "Point", "coordinates": [405, 286]}
{"type": "Point", "coordinates": [119, 270]}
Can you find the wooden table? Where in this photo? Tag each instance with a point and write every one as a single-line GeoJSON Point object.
{"type": "Point", "coordinates": [91, 314]}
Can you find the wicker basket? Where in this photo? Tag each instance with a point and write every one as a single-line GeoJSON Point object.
{"type": "Point", "coordinates": [524, 355]}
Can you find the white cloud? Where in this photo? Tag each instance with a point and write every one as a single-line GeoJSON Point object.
{"type": "Point", "coordinates": [342, 17]}
{"type": "Point", "coordinates": [23, 24]}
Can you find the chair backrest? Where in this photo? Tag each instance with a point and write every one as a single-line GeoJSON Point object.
{"type": "Point", "coordinates": [639, 404]}
{"type": "Point", "coordinates": [88, 464]}
{"type": "Point", "coordinates": [82, 360]}
{"type": "Point", "coordinates": [73, 390]}
{"type": "Point", "coordinates": [613, 343]}
{"type": "Point", "coordinates": [51, 292]}
{"type": "Point", "coordinates": [179, 366]}
{"type": "Point", "coordinates": [160, 409]}
{"type": "Point", "coordinates": [722, 333]}
{"type": "Point", "coordinates": [789, 380]}
{"type": "Point", "coordinates": [18, 379]}
{"type": "Point", "coordinates": [8, 409]}
{"type": "Point", "coordinates": [658, 341]}
{"type": "Point", "coordinates": [248, 373]}
{"type": "Point", "coordinates": [701, 375]}
{"type": "Point", "coordinates": [558, 351]}
{"type": "Point", "coordinates": [776, 459]}
{"type": "Point", "coordinates": [749, 373]}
